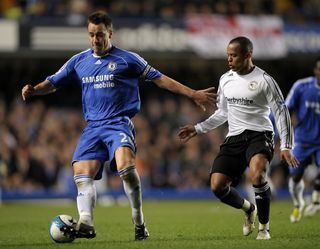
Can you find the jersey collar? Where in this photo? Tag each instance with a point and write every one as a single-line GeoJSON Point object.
{"type": "Point", "coordinates": [108, 51]}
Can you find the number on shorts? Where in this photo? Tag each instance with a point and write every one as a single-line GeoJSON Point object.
{"type": "Point", "coordinates": [124, 137]}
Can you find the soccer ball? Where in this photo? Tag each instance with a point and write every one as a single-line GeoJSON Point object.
{"type": "Point", "coordinates": [57, 223]}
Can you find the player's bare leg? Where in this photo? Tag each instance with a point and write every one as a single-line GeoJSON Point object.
{"type": "Point", "coordinates": [257, 173]}
{"type": "Point", "coordinates": [220, 185]}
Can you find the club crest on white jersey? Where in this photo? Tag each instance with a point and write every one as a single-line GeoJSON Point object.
{"type": "Point", "coordinates": [253, 85]}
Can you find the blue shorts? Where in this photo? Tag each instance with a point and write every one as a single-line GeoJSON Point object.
{"type": "Point", "coordinates": [100, 139]}
{"type": "Point", "coordinates": [305, 154]}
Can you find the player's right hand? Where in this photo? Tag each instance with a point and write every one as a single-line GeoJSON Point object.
{"type": "Point", "coordinates": [289, 158]}
{"type": "Point", "coordinates": [27, 91]}
{"type": "Point", "coordinates": [186, 132]}
{"type": "Point", "coordinates": [206, 97]}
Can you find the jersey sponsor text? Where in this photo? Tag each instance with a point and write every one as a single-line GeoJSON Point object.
{"type": "Point", "coordinates": [97, 78]}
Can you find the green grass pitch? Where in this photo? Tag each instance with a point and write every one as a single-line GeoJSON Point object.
{"type": "Point", "coordinates": [172, 224]}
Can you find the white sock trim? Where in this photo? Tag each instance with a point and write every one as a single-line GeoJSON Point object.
{"type": "Point", "coordinates": [246, 205]}
{"type": "Point", "coordinates": [264, 226]}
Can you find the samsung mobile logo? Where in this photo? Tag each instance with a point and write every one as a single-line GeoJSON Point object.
{"type": "Point", "coordinates": [98, 78]}
{"type": "Point", "coordinates": [103, 85]}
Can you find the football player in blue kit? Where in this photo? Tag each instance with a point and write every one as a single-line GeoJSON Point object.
{"type": "Point", "coordinates": [109, 78]}
{"type": "Point", "coordinates": [303, 102]}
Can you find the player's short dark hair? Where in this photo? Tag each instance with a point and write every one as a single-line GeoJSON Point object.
{"type": "Point", "coordinates": [245, 44]}
{"type": "Point", "coordinates": [316, 60]}
{"type": "Point", "coordinates": [100, 17]}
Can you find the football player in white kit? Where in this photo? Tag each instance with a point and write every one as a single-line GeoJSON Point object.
{"type": "Point", "coordinates": [246, 96]}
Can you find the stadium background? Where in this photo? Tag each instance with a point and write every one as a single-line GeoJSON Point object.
{"type": "Point", "coordinates": [176, 37]}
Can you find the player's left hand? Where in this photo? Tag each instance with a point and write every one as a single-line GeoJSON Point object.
{"type": "Point", "coordinates": [27, 91]}
{"type": "Point", "coordinates": [206, 97]}
{"type": "Point", "coordinates": [187, 132]}
{"type": "Point", "coordinates": [290, 159]}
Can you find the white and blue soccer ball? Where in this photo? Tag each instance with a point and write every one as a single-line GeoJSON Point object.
{"type": "Point", "coordinates": [57, 223]}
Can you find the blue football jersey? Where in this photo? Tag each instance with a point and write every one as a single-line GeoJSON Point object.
{"type": "Point", "coordinates": [304, 100]}
{"type": "Point", "coordinates": [110, 83]}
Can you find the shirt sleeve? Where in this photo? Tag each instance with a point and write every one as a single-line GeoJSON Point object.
{"type": "Point", "coordinates": [140, 67]}
{"type": "Point", "coordinates": [64, 75]}
{"type": "Point", "coordinates": [280, 112]}
{"type": "Point", "coordinates": [216, 119]}
{"type": "Point", "coordinates": [293, 96]}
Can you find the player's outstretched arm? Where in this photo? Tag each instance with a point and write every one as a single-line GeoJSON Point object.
{"type": "Point", "coordinates": [187, 132]}
{"type": "Point", "coordinates": [289, 158]}
{"type": "Point", "coordinates": [42, 88]}
{"type": "Point", "coordinates": [203, 98]}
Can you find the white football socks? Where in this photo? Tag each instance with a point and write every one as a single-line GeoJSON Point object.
{"type": "Point", "coordinates": [296, 191]}
{"type": "Point", "coordinates": [315, 196]}
{"type": "Point", "coordinates": [86, 199]}
{"type": "Point", "coordinates": [132, 188]}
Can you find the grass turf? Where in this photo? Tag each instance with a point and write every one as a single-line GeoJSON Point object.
{"type": "Point", "coordinates": [172, 224]}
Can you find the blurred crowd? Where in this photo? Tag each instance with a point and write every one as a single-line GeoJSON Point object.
{"type": "Point", "coordinates": [37, 143]}
{"type": "Point", "coordinates": [38, 140]}
{"type": "Point", "coordinates": [76, 11]}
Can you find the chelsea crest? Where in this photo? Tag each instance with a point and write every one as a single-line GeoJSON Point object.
{"type": "Point", "coordinates": [112, 66]}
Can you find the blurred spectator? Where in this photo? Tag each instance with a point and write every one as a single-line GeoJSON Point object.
{"type": "Point", "coordinates": [296, 11]}
{"type": "Point", "coordinates": [11, 9]}
{"type": "Point", "coordinates": [78, 12]}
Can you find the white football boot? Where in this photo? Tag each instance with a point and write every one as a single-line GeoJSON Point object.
{"type": "Point", "coordinates": [249, 220]}
{"type": "Point", "coordinates": [264, 233]}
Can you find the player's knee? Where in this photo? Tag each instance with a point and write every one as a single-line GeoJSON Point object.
{"type": "Point", "coordinates": [218, 188]}
{"type": "Point", "coordinates": [258, 168]}
{"type": "Point", "coordinates": [124, 157]}
{"type": "Point", "coordinates": [90, 167]}
{"type": "Point", "coordinates": [257, 179]}
{"type": "Point", "coordinates": [257, 176]}
{"type": "Point", "coordinates": [123, 165]}
{"type": "Point", "coordinates": [219, 182]}
{"type": "Point", "coordinates": [221, 191]}
{"type": "Point", "coordinates": [125, 162]}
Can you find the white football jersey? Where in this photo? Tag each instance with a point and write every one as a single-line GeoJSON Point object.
{"type": "Point", "coordinates": [245, 102]}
